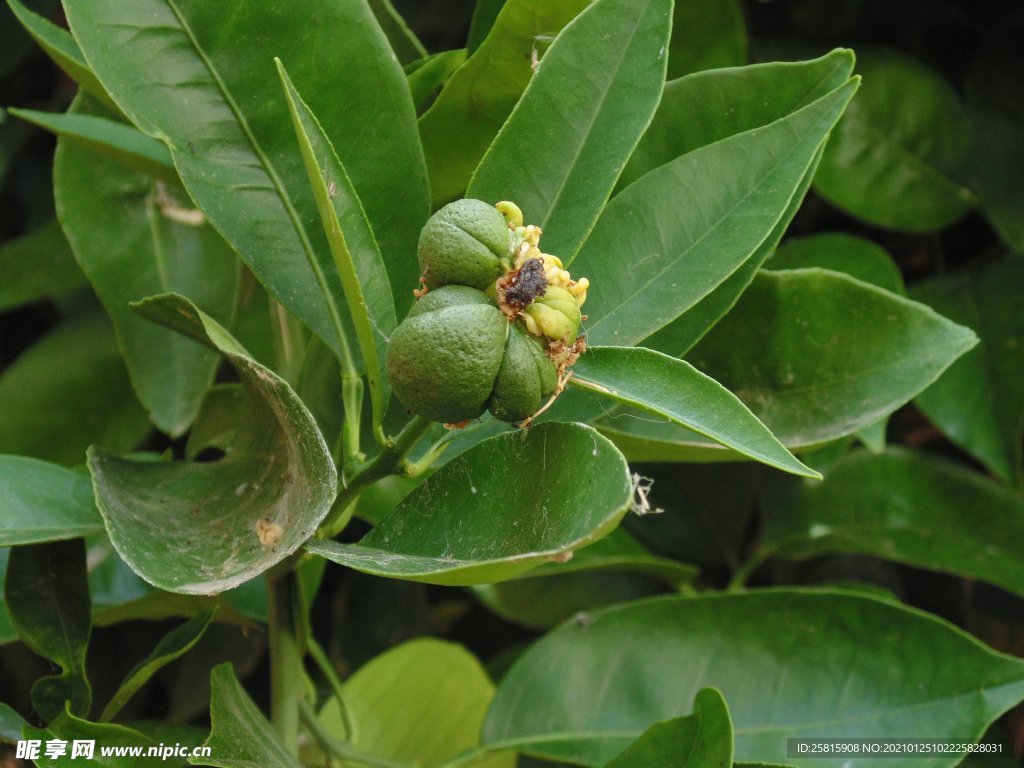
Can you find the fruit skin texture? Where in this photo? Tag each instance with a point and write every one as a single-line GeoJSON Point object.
{"type": "Point", "coordinates": [456, 355]}
{"type": "Point", "coordinates": [555, 315]}
{"type": "Point", "coordinates": [525, 378]}
{"type": "Point", "coordinates": [464, 243]}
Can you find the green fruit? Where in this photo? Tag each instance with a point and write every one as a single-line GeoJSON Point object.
{"type": "Point", "coordinates": [525, 378]}
{"type": "Point", "coordinates": [555, 315]}
{"type": "Point", "coordinates": [464, 243]}
{"type": "Point", "coordinates": [456, 355]}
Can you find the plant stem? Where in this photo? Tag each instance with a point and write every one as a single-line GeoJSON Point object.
{"type": "Point", "coordinates": [341, 749]}
{"type": "Point", "coordinates": [286, 673]}
{"type": "Point", "coordinates": [387, 462]}
{"type": "Point", "coordinates": [352, 404]}
{"type": "Point", "coordinates": [321, 659]}
{"type": "Point", "coordinates": [289, 343]}
{"type": "Point", "coordinates": [741, 574]}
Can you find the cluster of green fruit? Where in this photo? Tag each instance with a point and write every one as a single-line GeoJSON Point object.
{"type": "Point", "coordinates": [495, 324]}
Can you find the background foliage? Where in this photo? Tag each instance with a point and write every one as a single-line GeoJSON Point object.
{"type": "Point", "coordinates": [872, 326]}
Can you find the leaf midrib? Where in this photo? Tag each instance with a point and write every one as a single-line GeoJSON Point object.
{"type": "Point", "coordinates": [588, 130]}
{"type": "Point", "coordinates": [268, 167]}
{"type": "Point", "coordinates": [628, 301]}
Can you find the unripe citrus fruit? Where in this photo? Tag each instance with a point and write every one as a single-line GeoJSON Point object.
{"type": "Point", "coordinates": [525, 378]}
{"type": "Point", "coordinates": [555, 314]}
{"type": "Point", "coordinates": [464, 243]}
{"type": "Point", "coordinates": [456, 355]}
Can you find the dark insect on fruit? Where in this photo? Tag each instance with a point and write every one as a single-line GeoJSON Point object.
{"type": "Point", "coordinates": [525, 284]}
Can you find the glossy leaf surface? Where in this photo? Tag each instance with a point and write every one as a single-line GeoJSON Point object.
{"type": "Point", "coordinates": [44, 502]}
{"type": "Point", "coordinates": [68, 728]}
{"type": "Point", "coordinates": [459, 127]}
{"type": "Point", "coordinates": [357, 258]}
{"type": "Point", "coordinates": [201, 78]}
{"type": "Point", "coordinates": [897, 155]}
{"type": "Point", "coordinates": [706, 107]}
{"type": "Point", "coordinates": [47, 598]}
{"type": "Point", "coordinates": [854, 256]}
{"type": "Point", "coordinates": [122, 223]}
{"type": "Point", "coordinates": [844, 353]}
{"type": "Point", "coordinates": [201, 528]}
{"type": "Point", "coordinates": [675, 390]}
{"type": "Point", "coordinates": [422, 702]}
{"type": "Point", "coordinates": [562, 148]}
{"type": "Point", "coordinates": [173, 645]}
{"type": "Point", "coordinates": [679, 337]}
{"type": "Point", "coordinates": [506, 505]}
{"type": "Point", "coordinates": [615, 569]}
{"type": "Point", "coordinates": [110, 138]}
{"type": "Point", "coordinates": [240, 736]}
{"type": "Point", "coordinates": [700, 740]}
{"type": "Point", "coordinates": [979, 402]}
{"type": "Point", "coordinates": [906, 507]}
{"type": "Point", "coordinates": [875, 669]}
{"type": "Point", "coordinates": [668, 240]}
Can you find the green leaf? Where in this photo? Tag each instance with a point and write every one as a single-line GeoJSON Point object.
{"type": "Point", "coordinates": [481, 94]}
{"type": "Point", "coordinates": [688, 225]}
{"type": "Point", "coordinates": [894, 159]}
{"type": "Point", "coordinates": [844, 353]}
{"type": "Point", "coordinates": [364, 278]}
{"type": "Point", "coordinates": [615, 569]}
{"type": "Point", "coordinates": [709, 106]}
{"type": "Point", "coordinates": [11, 724]}
{"type": "Point", "coordinates": [422, 701]}
{"type": "Point", "coordinates": [485, 14]}
{"type": "Point", "coordinates": [906, 507]}
{"type": "Point", "coordinates": [7, 631]}
{"type": "Point", "coordinates": [678, 337]}
{"type": "Point", "coordinates": [62, 48]}
{"type": "Point", "coordinates": [507, 504]}
{"type": "Point", "coordinates": [854, 256]}
{"type": "Point", "coordinates": [675, 390]}
{"type": "Point", "coordinates": [997, 179]}
{"type": "Point", "coordinates": [67, 391]}
{"type": "Point", "coordinates": [44, 502]}
{"type": "Point", "coordinates": [122, 143]}
{"type": "Point", "coordinates": [561, 150]}
{"type": "Point", "coordinates": [69, 728]}
{"type": "Point", "coordinates": [36, 266]}
{"type": "Point", "coordinates": [173, 645]}
{"type": "Point", "coordinates": [701, 740]}
{"type": "Point", "coordinates": [179, 73]}
{"type": "Point", "coordinates": [706, 34]}
{"type": "Point", "coordinates": [404, 42]}
{"type": "Point", "coordinates": [836, 664]}
{"type": "Point", "coordinates": [121, 222]}
{"type": "Point", "coordinates": [979, 402]}
{"type": "Point", "coordinates": [240, 736]}
{"type": "Point", "coordinates": [428, 79]}
{"type": "Point", "coordinates": [199, 528]}
{"type": "Point", "coordinates": [47, 596]}
{"type": "Point", "coordinates": [840, 252]}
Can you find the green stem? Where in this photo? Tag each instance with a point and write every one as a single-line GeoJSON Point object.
{"type": "Point", "coordinates": [286, 673]}
{"type": "Point", "coordinates": [289, 342]}
{"type": "Point", "coordinates": [327, 669]}
{"type": "Point", "coordinates": [352, 404]}
{"type": "Point", "coordinates": [388, 462]}
{"type": "Point", "coordinates": [341, 749]}
{"type": "Point", "coordinates": [740, 576]}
